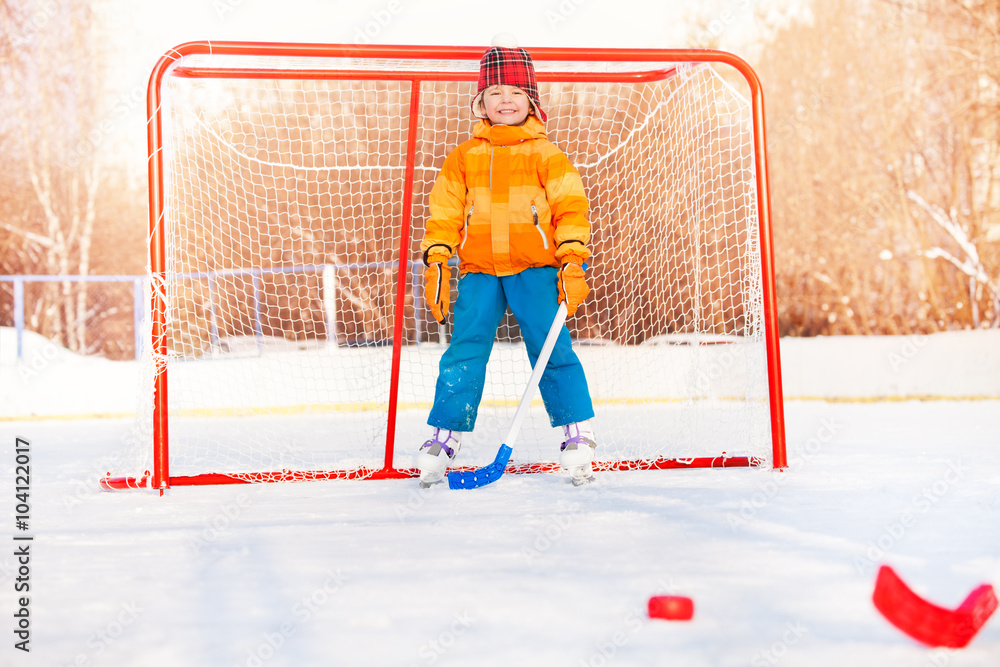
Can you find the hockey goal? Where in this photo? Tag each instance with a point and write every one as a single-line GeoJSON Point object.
{"type": "Point", "coordinates": [287, 334]}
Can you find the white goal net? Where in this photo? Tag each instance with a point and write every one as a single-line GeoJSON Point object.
{"type": "Point", "coordinates": [294, 195]}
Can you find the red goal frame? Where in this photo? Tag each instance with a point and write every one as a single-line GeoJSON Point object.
{"type": "Point", "coordinates": [160, 478]}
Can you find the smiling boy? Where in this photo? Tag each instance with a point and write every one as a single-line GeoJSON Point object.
{"type": "Point", "coordinates": [513, 207]}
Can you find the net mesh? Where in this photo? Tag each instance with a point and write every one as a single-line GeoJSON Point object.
{"type": "Point", "coordinates": [283, 220]}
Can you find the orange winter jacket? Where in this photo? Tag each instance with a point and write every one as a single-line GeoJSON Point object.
{"type": "Point", "coordinates": [507, 200]}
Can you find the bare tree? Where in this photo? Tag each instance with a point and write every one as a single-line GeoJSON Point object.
{"type": "Point", "coordinates": [883, 145]}
{"type": "Point", "coordinates": [958, 199]}
{"type": "Point", "coordinates": [53, 75]}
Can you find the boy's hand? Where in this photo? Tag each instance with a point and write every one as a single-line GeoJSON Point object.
{"type": "Point", "coordinates": [573, 288]}
{"type": "Point", "coordinates": [437, 290]}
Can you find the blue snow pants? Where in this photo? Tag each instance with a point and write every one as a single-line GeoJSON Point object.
{"type": "Point", "coordinates": [482, 301]}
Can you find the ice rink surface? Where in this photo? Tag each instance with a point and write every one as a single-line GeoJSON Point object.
{"type": "Point", "coordinates": [528, 571]}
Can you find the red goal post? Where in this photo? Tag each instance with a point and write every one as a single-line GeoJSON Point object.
{"type": "Point", "coordinates": [287, 190]}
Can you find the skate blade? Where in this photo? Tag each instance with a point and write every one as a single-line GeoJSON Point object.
{"type": "Point", "coordinates": [430, 483]}
{"type": "Point", "coordinates": [581, 475]}
{"type": "Point", "coordinates": [432, 469]}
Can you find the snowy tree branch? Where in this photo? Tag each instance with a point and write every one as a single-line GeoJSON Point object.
{"type": "Point", "coordinates": [972, 266]}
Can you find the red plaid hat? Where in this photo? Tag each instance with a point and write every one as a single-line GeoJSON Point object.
{"type": "Point", "coordinates": [507, 65]}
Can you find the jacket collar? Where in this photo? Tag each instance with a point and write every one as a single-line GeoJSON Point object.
{"type": "Point", "coordinates": [505, 135]}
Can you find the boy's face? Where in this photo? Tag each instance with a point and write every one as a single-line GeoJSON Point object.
{"type": "Point", "coordinates": [506, 105]}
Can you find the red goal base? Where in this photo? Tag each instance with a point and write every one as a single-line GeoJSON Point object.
{"type": "Point", "coordinates": [109, 483]}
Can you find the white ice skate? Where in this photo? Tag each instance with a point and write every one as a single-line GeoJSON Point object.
{"type": "Point", "coordinates": [434, 456]}
{"type": "Point", "coordinates": [576, 454]}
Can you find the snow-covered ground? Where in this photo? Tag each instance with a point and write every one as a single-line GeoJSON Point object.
{"type": "Point", "coordinates": [530, 570]}
{"type": "Point", "coordinates": [50, 381]}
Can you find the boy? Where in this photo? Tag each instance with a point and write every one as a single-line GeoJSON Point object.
{"type": "Point", "coordinates": [513, 207]}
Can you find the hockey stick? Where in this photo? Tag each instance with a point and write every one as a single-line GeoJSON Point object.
{"type": "Point", "coordinates": [492, 472]}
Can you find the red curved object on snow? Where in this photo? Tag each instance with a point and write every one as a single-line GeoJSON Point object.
{"type": "Point", "coordinates": [927, 622]}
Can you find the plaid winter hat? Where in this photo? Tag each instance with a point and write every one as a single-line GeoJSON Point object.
{"type": "Point", "coordinates": [507, 64]}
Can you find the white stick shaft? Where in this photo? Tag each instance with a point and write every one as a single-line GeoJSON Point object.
{"type": "Point", "coordinates": [536, 374]}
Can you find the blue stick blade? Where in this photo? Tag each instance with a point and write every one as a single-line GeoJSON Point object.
{"type": "Point", "coordinates": [481, 477]}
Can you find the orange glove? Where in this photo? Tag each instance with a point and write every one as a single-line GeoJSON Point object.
{"type": "Point", "coordinates": [437, 290]}
{"type": "Point", "coordinates": [573, 288]}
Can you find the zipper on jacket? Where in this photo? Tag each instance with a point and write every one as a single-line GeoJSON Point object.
{"type": "Point", "coordinates": [491, 164]}
{"type": "Point", "coordinates": [465, 231]}
{"type": "Point", "coordinates": [534, 215]}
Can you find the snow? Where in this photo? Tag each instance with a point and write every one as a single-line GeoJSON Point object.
{"type": "Point", "coordinates": [530, 570]}
{"type": "Point", "coordinates": [956, 364]}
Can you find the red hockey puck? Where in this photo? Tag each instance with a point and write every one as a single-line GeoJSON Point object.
{"type": "Point", "coordinates": [671, 607]}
